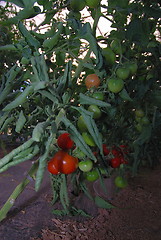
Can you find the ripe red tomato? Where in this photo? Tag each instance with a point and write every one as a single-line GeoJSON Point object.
{"type": "Point", "coordinates": [68, 164]}
{"type": "Point", "coordinates": [116, 152]}
{"type": "Point", "coordinates": [106, 151]}
{"type": "Point", "coordinates": [115, 162]}
{"type": "Point", "coordinates": [92, 80]}
{"type": "Point", "coordinates": [124, 149]}
{"type": "Point", "coordinates": [62, 162]}
{"type": "Point", "coordinates": [64, 141]}
{"type": "Point", "coordinates": [115, 85]}
{"type": "Point", "coordinates": [53, 166]}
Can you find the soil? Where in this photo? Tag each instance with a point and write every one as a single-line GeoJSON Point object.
{"type": "Point", "coordinates": [137, 215]}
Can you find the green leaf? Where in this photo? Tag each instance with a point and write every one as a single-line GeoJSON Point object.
{"type": "Point", "coordinates": [151, 12]}
{"type": "Point", "coordinates": [86, 33]}
{"type": "Point", "coordinates": [92, 127]}
{"type": "Point", "coordinates": [125, 96]}
{"type": "Point", "coordinates": [100, 202]}
{"type": "Point", "coordinates": [19, 3]}
{"type": "Point", "coordinates": [28, 3]}
{"type": "Point", "coordinates": [20, 122]}
{"type": "Point", "coordinates": [32, 41]}
{"type": "Point", "coordinates": [65, 81]}
{"type": "Point", "coordinates": [84, 99]}
{"type": "Point", "coordinates": [38, 131]}
{"type": "Point", "coordinates": [145, 135]}
{"type": "Point", "coordinates": [86, 190]}
{"type": "Point", "coordinates": [138, 32]}
{"type": "Point", "coordinates": [77, 138]}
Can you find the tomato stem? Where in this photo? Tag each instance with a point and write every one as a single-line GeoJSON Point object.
{"type": "Point", "coordinates": [17, 191]}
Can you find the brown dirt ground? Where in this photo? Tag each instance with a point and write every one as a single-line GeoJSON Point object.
{"type": "Point", "coordinates": [137, 216]}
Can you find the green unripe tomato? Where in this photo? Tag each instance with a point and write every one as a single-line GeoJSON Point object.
{"type": "Point", "coordinates": [93, 3]}
{"type": "Point", "coordinates": [139, 113]}
{"type": "Point", "coordinates": [115, 85]}
{"type": "Point", "coordinates": [145, 120]}
{"type": "Point", "coordinates": [132, 67]}
{"type": "Point", "coordinates": [139, 127]}
{"type": "Point", "coordinates": [81, 124]}
{"type": "Point", "coordinates": [88, 139]}
{"type": "Point", "coordinates": [92, 175]}
{"type": "Point", "coordinates": [96, 111]}
{"type": "Point", "coordinates": [77, 5]}
{"type": "Point", "coordinates": [123, 73]}
{"type": "Point", "coordinates": [138, 119]}
{"type": "Point", "coordinates": [98, 96]}
{"type": "Point", "coordinates": [86, 165]}
{"type": "Point", "coordinates": [120, 182]}
{"type": "Point", "coordinates": [109, 56]}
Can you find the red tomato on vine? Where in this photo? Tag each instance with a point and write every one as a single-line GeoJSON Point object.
{"type": "Point", "coordinates": [92, 80]}
{"type": "Point", "coordinates": [115, 162]}
{"type": "Point", "coordinates": [62, 162]}
{"type": "Point", "coordinates": [65, 142]}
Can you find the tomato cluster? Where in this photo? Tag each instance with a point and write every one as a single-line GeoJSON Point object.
{"type": "Point", "coordinates": [62, 161]}
{"type": "Point", "coordinates": [141, 119]}
{"type": "Point", "coordinates": [116, 155]}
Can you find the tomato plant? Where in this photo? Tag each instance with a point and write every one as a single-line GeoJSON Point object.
{"type": "Point", "coordinates": [92, 175]}
{"type": "Point", "coordinates": [92, 80]}
{"type": "Point", "coordinates": [120, 182]}
{"type": "Point", "coordinates": [65, 142]}
{"type": "Point", "coordinates": [86, 165]}
{"type": "Point", "coordinates": [115, 85]}
{"type": "Point", "coordinates": [57, 77]}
